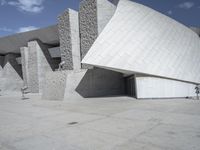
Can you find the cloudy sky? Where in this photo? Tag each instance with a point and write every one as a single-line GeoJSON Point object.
{"type": "Point", "coordinates": [24, 15]}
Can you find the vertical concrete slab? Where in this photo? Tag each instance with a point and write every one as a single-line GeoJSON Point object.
{"type": "Point", "coordinates": [88, 24]}
{"type": "Point", "coordinates": [24, 60]}
{"type": "Point", "coordinates": [105, 11]}
{"type": "Point", "coordinates": [93, 17]}
{"type": "Point", "coordinates": [69, 39]}
{"type": "Point", "coordinates": [54, 87]}
{"type": "Point", "coordinates": [75, 39]}
{"type": "Point", "coordinates": [37, 67]}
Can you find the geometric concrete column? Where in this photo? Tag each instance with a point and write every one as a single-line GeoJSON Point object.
{"type": "Point", "coordinates": [37, 67]}
{"type": "Point", "coordinates": [68, 26]}
{"type": "Point", "coordinates": [24, 60]}
{"type": "Point", "coordinates": [94, 16]}
{"type": "Point", "coordinates": [10, 73]}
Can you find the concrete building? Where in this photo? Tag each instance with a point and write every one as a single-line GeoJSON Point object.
{"type": "Point", "coordinates": [107, 48]}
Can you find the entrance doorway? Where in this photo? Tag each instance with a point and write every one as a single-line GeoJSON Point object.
{"type": "Point", "coordinates": [130, 88]}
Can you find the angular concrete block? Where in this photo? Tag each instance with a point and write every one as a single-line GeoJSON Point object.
{"type": "Point", "coordinates": [54, 87]}
{"type": "Point", "coordinates": [69, 39]}
{"type": "Point", "coordinates": [37, 67]}
{"type": "Point", "coordinates": [10, 74]}
{"type": "Point", "coordinates": [24, 61]}
{"type": "Point", "coordinates": [94, 16]}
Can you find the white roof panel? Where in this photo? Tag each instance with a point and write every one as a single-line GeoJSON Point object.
{"type": "Point", "coordinates": [140, 39]}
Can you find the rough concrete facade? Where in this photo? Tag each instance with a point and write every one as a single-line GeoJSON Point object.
{"type": "Point", "coordinates": [37, 67]}
{"type": "Point", "coordinates": [69, 39]}
{"type": "Point", "coordinates": [88, 24]}
{"type": "Point", "coordinates": [105, 11]}
{"type": "Point", "coordinates": [10, 74]}
{"type": "Point", "coordinates": [93, 15]}
{"type": "Point", "coordinates": [54, 86]}
{"type": "Point", "coordinates": [94, 83]}
{"type": "Point", "coordinates": [24, 62]}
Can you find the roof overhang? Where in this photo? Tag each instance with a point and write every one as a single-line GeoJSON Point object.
{"type": "Point", "coordinates": [12, 43]}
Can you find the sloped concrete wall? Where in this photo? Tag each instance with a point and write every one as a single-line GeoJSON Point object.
{"type": "Point", "coordinates": [69, 39]}
{"type": "Point", "coordinates": [54, 85]}
{"type": "Point", "coordinates": [10, 74]}
{"type": "Point", "coordinates": [151, 87]}
{"type": "Point", "coordinates": [93, 83]}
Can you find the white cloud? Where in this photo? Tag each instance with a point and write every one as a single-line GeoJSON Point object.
{"type": "Point", "coordinates": [186, 5]}
{"type": "Point", "coordinates": [33, 6]}
{"type": "Point", "coordinates": [3, 2]}
{"type": "Point", "coordinates": [26, 29]}
{"type": "Point", "coordinates": [169, 12]}
{"type": "Point", "coordinates": [5, 29]}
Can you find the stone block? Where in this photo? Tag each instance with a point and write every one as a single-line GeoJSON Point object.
{"type": "Point", "coordinates": [94, 16]}
{"type": "Point", "coordinates": [37, 67]}
{"type": "Point", "coordinates": [69, 39]}
{"type": "Point", "coordinates": [54, 87]}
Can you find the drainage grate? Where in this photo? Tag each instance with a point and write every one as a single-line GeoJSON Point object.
{"type": "Point", "coordinates": [73, 123]}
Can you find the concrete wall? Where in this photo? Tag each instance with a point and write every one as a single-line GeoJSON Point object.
{"type": "Point", "coordinates": [93, 15]}
{"type": "Point", "coordinates": [37, 67]}
{"type": "Point", "coordinates": [105, 11]}
{"type": "Point", "coordinates": [24, 62]}
{"type": "Point", "coordinates": [88, 24]}
{"type": "Point", "coordinates": [10, 74]}
{"type": "Point", "coordinates": [100, 82]}
{"type": "Point", "coordinates": [151, 87]}
{"type": "Point", "coordinates": [69, 39]}
{"type": "Point", "coordinates": [54, 87]}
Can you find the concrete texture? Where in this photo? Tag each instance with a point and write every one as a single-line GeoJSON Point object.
{"type": "Point", "coordinates": [69, 39]}
{"type": "Point", "coordinates": [93, 15]}
{"type": "Point", "coordinates": [140, 39]}
{"type": "Point", "coordinates": [37, 67]}
{"type": "Point", "coordinates": [88, 24]}
{"type": "Point", "coordinates": [100, 82]}
{"type": "Point", "coordinates": [93, 83]}
{"type": "Point", "coordinates": [118, 123]}
{"type": "Point", "coordinates": [54, 85]}
{"type": "Point", "coordinates": [10, 74]}
{"type": "Point", "coordinates": [105, 11]}
{"type": "Point", "coordinates": [151, 87]}
{"type": "Point", "coordinates": [77, 84]}
{"type": "Point", "coordinates": [24, 61]}
{"type": "Point", "coordinates": [55, 52]}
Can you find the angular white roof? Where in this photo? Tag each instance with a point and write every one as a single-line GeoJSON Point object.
{"type": "Point", "coordinates": [140, 39]}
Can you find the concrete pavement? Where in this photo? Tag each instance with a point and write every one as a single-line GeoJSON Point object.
{"type": "Point", "coordinates": [117, 123]}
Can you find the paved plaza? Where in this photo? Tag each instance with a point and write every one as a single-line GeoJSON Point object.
{"type": "Point", "coordinates": [115, 123]}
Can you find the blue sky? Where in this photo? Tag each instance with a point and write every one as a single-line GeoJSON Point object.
{"type": "Point", "coordinates": [23, 15]}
